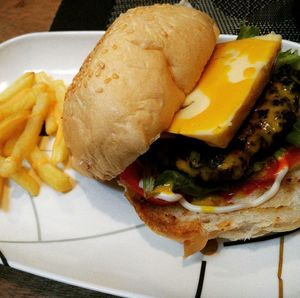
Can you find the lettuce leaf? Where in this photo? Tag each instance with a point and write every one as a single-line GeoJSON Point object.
{"type": "Point", "coordinates": [182, 183]}
{"type": "Point", "coordinates": [294, 136]}
{"type": "Point", "coordinates": [290, 57]}
{"type": "Point", "coordinates": [247, 31]}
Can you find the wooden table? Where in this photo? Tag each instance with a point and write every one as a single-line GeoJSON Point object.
{"type": "Point", "coordinates": [20, 17]}
{"type": "Point", "coordinates": [14, 283]}
{"type": "Point", "coordinates": [25, 16]}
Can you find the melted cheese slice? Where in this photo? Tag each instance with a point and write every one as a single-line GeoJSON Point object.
{"type": "Point", "coordinates": [227, 90]}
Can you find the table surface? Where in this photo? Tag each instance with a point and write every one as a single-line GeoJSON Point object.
{"type": "Point", "coordinates": [20, 17]}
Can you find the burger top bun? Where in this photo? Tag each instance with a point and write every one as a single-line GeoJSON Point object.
{"type": "Point", "coordinates": [132, 83]}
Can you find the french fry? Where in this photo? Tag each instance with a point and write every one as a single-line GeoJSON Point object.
{"type": "Point", "coordinates": [51, 124]}
{"type": "Point", "coordinates": [42, 77]}
{"type": "Point", "coordinates": [3, 184]}
{"type": "Point", "coordinates": [60, 151]}
{"type": "Point", "coordinates": [48, 173]}
{"type": "Point", "coordinates": [8, 166]}
{"type": "Point", "coordinates": [10, 144]}
{"type": "Point", "coordinates": [23, 100]}
{"type": "Point", "coordinates": [44, 143]}
{"type": "Point", "coordinates": [27, 181]}
{"type": "Point", "coordinates": [4, 199]}
{"type": "Point", "coordinates": [25, 81]}
{"type": "Point", "coordinates": [2, 180]}
{"type": "Point", "coordinates": [12, 123]}
{"type": "Point", "coordinates": [32, 100]}
{"type": "Point", "coordinates": [21, 176]}
{"type": "Point", "coordinates": [54, 117]}
{"type": "Point", "coordinates": [60, 92]}
{"type": "Point", "coordinates": [29, 137]}
{"type": "Point", "coordinates": [51, 121]}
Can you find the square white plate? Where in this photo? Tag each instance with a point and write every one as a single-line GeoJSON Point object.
{"type": "Point", "coordinates": [91, 237]}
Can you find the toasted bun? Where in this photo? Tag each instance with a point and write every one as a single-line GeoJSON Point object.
{"type": "Point", "coordinates": [281, 213]}
{"type": "Point", "coordinates": [132, 83]}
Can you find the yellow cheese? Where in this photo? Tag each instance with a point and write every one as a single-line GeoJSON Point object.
{"type": "Point", "coordinates": [227, 90]}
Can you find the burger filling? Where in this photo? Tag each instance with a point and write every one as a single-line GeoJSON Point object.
{"type": "Point", "coordinates": [207, 179]}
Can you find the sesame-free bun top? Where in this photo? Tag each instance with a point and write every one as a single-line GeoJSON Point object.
{"type": "Point", "coordinates": [132, 83]}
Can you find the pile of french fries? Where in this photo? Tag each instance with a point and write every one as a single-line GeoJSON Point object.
{"type": "Point", "coordinates": [32, 102]}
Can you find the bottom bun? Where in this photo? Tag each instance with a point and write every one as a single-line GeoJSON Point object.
{"type": "Point", "coordinates": [280, 214]}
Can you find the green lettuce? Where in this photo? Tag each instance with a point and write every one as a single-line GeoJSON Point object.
{"type": "Point", "coordinates": [290, 57]}
{"type": "Point", "coordinates": [294, 136]}
{"type": "Point", "coordinates": [182, 183]}
{"type": "Point", "coordinates": [247, 31]}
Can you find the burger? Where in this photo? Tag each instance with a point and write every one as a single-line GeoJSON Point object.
{"type": "Point", "coordinates": [202, 135]}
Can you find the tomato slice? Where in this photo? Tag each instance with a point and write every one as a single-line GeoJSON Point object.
{"type": "Point", "coordinates": [132, 176]}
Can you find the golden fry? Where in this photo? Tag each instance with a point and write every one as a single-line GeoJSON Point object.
{"type": "Point", "coordinates": [59, 89]}
{"type": "Point", "coordinates": [8, 166]}
{"type": "Point", "coordinates": [23, 100]}
{"type": "Point", "coordinates": [24, 106]}
{"type": "Point", "coordinates": [27, 181]}
{"type": "Point", "coordinates": [60, 151]}
{"type": "Point", "coordinates": [29, 137]}
{"type": "Point", "coordinates": [60, 92]}
{"type": "Point", "coordinates": [2, 180]}
{"type": "Point", "coordinates": [55, 178]}
{"type": "Point", "coordinates": [10, 144]}
{"type": "Point", "coordinates": [25, 81]}
{"type": "Point", "coordinates": [42, 77]}
{"type": "Point", "coordinates": [51, 122]}
{"type": "Point", "coordinates": [50, 174]}
{"type": "Point", "coordinates": [14, 122]}
{"type": "Point", "coordinates": [44, 143]}
{"type": "Point", "coordinates": [4, 196]}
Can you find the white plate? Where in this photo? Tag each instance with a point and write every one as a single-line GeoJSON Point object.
{"type": "Point", "coordinates": [92, 238]}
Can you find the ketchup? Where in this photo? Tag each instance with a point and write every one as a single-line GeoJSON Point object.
{"type": "Point", "coordinates": [131, 177]}
{"type": "Point", "coordinates": [291, 157]}
{"type": "Point", "coordinates": [133, 173]}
